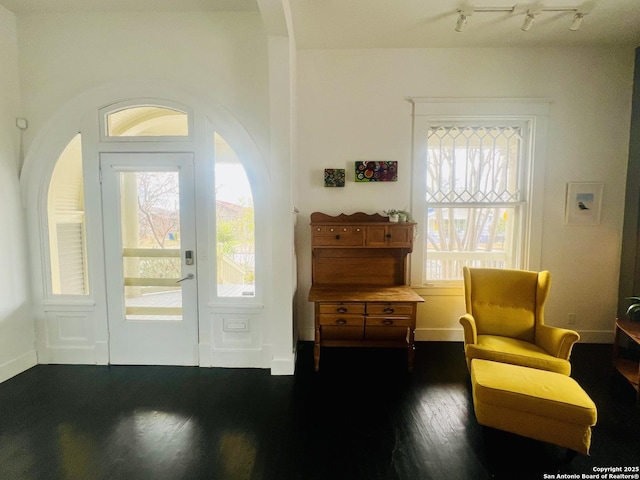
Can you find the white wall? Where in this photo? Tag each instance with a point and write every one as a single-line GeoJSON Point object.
{"type": "Point", "coordinates": [352, 107]}
{"type": "Point", "coordinates": [221, 55]}
{"type": "Point", "coordinates": [16, 324]}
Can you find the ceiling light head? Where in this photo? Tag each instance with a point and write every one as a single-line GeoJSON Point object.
{"type": "Point", "coordinates": [528, 21]}
{"type": "Point", "coordinates": [462, 19]}
{"type": "Point", "coordinates": [577, 21]}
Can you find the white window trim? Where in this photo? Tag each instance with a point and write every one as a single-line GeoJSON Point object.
{"type": "Point", "coordinates": [532, 110]}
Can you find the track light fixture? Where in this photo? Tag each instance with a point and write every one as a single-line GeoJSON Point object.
{"type": "Point", "coordinates": [577, 21]}
{"type": "Point", "coordinates": [531, 11]}
{"type": "Point", "coordinates": [529, 19]}
{"type": "Point", "coordinates": [462, 19]}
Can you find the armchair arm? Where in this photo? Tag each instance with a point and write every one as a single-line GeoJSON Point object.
{"type": "Point", "coordinates": [556, 341]}
{"type": "Point", "coordinates": [469, 326]}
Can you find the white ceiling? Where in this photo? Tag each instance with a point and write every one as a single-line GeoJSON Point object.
{"type": "Point", "coordinates": [67, 6]}
{"type": "Point", "coordinates": [431, 23]}
{"type": "Point", "coordinates": [402, 23]}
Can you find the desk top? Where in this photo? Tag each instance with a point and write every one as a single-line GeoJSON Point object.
{"type": "Point", "coordinates": [363, 293]}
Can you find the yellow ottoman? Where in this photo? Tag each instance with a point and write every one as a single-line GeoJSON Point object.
{"type": "Point", "coordinates": [538, 404]}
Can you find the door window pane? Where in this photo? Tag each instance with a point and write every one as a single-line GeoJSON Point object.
{"type": "Point", "coordinates": [235, 225]}
{"type": "Point", "coordinates": [150, 219]}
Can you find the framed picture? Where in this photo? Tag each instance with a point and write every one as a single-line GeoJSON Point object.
{"type": "Point", "coordinates": [376, 171]}
{"type": "Point", "coordinates": [583, 203]}
{"type": "Point", "coordinates": [334, 177]}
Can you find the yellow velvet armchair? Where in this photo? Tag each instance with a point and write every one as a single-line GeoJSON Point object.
{"type": "Point", "coordinates": [505, 320]}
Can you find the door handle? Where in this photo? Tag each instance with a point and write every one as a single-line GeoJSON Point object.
{"type": "Point", "coordinates": [188, 277]}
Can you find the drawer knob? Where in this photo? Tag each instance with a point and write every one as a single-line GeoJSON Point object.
{"type": "Point", "coordinates": [341, 321]}
{"type": "Point", "coordinates": [387, 321]}
{"type": "Point", "coordinates": [388, 310]}
{"type": "Point", "coordinates": [342, 310]}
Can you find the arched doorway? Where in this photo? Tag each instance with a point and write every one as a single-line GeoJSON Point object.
{"type": "Point", "coordinates": [228, 310]}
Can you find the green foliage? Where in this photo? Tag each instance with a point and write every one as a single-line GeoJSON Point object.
{"type": "Point", "coordinates": [633, 311]}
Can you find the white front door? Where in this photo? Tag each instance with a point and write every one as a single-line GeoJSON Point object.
{"type": "Point", "coordinates": [150, 240]}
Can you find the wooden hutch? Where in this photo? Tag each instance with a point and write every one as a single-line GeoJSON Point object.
{"type": "Point", "coordinates": [359, 283]}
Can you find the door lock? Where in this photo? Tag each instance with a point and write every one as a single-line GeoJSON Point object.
{"type": "Point", "coordinates": [188, 257]}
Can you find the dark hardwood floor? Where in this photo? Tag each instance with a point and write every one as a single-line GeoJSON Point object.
{"type": "Point", "coordinates": [361, 417]}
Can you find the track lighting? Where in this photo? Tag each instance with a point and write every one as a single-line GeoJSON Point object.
{"type": "Point", "coordinates": [577, 21]}
{"type": "Point", "coordinates": [462, 19]}
{"type": "Point", "coordinates": [528, 22]}
{"type": "Point", "coordinates": [531, 11]}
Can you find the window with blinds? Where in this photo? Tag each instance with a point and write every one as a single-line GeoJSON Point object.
{"type": "Point", "coordinates": [65, 208]}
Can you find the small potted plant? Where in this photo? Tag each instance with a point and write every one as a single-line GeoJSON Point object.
{"type": "Point", "coordinates": [405, 216]}
{"type": "Point", "coordinates": [398, 215]}
{"type": "Point", "coordinates": [393, 214]}
{"type": "Point", "coordinates": [633, 312]}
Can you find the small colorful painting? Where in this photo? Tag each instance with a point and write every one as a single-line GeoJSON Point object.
{"type": "Point", "coordinates": [376, 171]}
{"type": "Point", "coordinates": [334, 177]}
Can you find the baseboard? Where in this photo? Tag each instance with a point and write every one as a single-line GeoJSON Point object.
{"type": "Point", "coordinates": [283, 366]}
{"type": "Point", "coordinates": [69, 355]}
{"type": "Point", "coordinates": [439, 335]}
{"type": "Point", "coordinates": [18, 365]}
{"type": "Point", "coordinates": [457, 335]}
{"type": "Point", "coordinates": [205, 357]}
{"type": "Point", "coordinates": [239, 358]}
{"type": "Point", "coordinates": [596, 336]}
{"type": "Point", "coordinates": [102, 353]}
{"type": "Point", "coordinates": [306, 334]}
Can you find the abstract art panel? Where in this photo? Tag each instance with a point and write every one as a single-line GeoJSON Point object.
{"type": "Point", "coordinates": [334, 177]}
{"type": "Point", "coordinates": [376, 171]}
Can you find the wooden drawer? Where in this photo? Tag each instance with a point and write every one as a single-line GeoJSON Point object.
{"type": "Point", "coordinates": [390, 308]}
{"type": "Point", "coordinates": [341, 327]}
{"type": "Point", "coordinates": [337, 236]}
{"type": "Point", "coordinates": [387, 329]}
{"type": "Point", "coordinates": [342, 308]}
{"type": "Point", "coordinates": [344, 230]}
{"type": "Point", "coordinates": [341, 320]}
{"type": "Point", "coordinates": [389, 322]}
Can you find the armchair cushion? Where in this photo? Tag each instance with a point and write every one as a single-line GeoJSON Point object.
{"type": "Point", "coordinates": [515, 352]}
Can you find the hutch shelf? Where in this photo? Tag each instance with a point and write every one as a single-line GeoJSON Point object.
{"type": "Point", "coordinates": [628, 368]}
{"type": "Point", "coordinates": [359, 283]}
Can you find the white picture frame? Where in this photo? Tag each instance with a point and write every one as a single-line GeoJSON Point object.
{"type": "Point", "coordinates": [583, 203]}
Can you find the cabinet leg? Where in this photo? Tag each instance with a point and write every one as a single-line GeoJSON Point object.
{"type": "Point", "coordinates": [411, 355]}
{"type": "Point", "coordinates": [411, 348]}
{"type": "Point", "coordinates": [316, 351]}
{"type": "Point", "coordinates": [316, 357]}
